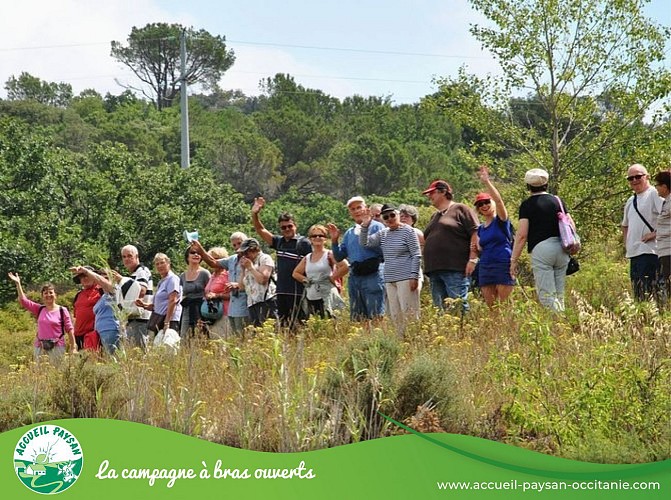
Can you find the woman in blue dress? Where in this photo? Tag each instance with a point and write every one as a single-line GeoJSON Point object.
{"type": "Point", "coordinates": [495, 243]}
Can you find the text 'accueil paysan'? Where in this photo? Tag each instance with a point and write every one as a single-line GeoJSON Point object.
{"type": "Point", "coordinates": [48, 459]}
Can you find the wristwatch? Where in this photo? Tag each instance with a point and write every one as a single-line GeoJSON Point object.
{"type": "Point", "coordinates": [474, 261]}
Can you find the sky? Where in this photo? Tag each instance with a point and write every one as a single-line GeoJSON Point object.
{"type": "Point", "coordinates": [388, 48]}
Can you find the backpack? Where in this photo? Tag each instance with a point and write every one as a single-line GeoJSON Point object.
{"type": "Point", "coordinates": [511, 234]}
{"type": "Point", "coordinates": [502, 225]}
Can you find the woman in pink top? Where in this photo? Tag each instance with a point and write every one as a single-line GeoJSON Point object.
{"type": "Point", "coordinates": [216, 288]}
{"type": "Point", "coordinates": [53, 321]}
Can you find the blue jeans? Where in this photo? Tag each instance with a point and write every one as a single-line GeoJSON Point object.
{"type": "Point", "coordinates": [109, 340]}
{"type": "Point", "coordinates": [449, 285]}
{"type": "Point", "coordinates": [644, 273]}
{"type": "Point", "coordinates": [366, 296]}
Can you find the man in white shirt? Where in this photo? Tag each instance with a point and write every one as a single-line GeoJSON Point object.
{"type": "Point", "coordinates": [639, 232]}
{"type": "Point", "coordinates": [136, 328]}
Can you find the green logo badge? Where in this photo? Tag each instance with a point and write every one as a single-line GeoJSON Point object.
{"type": "Point", "coordinates": [48, 459]}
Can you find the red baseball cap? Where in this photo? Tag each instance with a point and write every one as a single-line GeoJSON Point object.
{"type": "Point", "coordinates": [481, 197]}
{"type": "Point", "coordinates": [437, 185]}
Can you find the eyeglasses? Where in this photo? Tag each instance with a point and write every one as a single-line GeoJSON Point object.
{"type": "Point", "coordinates": [635, 177]}
{"type": "Point", "coordinates": [482, 203]}
{"type": "Point", "coordinates": [317, 236]}
{"type": "Point", "coordinates": [390, 215]}
{"type": "Point", "coordinates": [194, 253]}
{"type": "Point", "coordinates": [288, 226]}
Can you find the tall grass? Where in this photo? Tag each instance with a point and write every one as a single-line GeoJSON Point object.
{"type": "Point", "coordinates": [593, 384]}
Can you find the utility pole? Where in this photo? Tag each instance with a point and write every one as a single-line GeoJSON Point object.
{"type": "Point", "coordinates": [183, 102]}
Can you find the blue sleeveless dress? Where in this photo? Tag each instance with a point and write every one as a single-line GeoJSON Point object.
{"type": "Point", "coordinates": [497, 246]}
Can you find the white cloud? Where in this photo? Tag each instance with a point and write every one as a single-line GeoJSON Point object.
{"type": "Point", "coordinates": [69, 40]}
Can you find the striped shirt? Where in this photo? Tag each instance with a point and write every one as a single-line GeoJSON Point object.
{"type": "Point", "coordinates": [143, 276]}
{"type": "Point", "coordinates": [400, 248]}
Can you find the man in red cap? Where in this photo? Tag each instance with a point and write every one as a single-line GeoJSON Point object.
{"type": "Point", "coordinates": [449, 246]}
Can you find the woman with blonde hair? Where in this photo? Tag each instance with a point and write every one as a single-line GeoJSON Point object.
{"type": "Point", "coordinates": [494, 243]}
{"type": "Point", "coordinates": [319, 273]}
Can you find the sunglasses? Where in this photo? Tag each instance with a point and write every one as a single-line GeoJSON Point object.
{"type": "Point", "coordinates": [390, 215]}
{"type": "Point", "coordinates": [288, 226]}
{"type": "Point", "coordinates": [317, 236]}
{"type": "Point", "coordinates": [194, 253]}
{"type": "Point", "coordinates": [635, 177]}
{"type": "Point", "coordinates": [482, 203]}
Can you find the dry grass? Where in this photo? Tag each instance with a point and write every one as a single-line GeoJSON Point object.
{"type": "Point", "coordinates": [593, 385]}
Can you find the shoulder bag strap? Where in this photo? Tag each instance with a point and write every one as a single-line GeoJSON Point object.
{"type": "Point", "coordinates": [561, 204]}
{"type": "Point", "coordinates": [39, 311]}
{"type": "Point", "coordinates": [62, 322]}
{"type": "Point", "coordinates": [640, 215]}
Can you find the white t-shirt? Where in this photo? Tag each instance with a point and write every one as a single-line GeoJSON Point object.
{"type": "Point", "coordinates": [649, 204]}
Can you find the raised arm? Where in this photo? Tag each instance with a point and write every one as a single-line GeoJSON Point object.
{"type": "Point", "coordinates": [17, 281]}
{"type": "Point", "coordinates": [209, 260]}
{"type": "Point", "coordinates": [260, 229]}
{"type": "Point", "coordinates": [483, 174]}
{"type": "Point", "coordinates": [101, 281]}
{"type": "Point", "coordinates": [365, 240]}
{"type": "Point", "coordinates": [339, 251]}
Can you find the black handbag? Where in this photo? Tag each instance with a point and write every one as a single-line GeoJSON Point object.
{"type": "Point", "coordinates": [573, 266]}
{"type": "Point", "coordinates": [365, 267]}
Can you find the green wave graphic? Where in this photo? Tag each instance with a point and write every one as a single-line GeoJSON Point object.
{"type": "Point", "coordinates": [621, 471]}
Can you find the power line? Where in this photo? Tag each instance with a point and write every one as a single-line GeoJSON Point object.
{"type": "Point", "coordinates": [330, 77]}
{"type": "Point", "coordinates": [266, 44]}
{"type": "Point", "coordinates": [369, 51]}
{"type": "Point", "coordinates": [48, 47]}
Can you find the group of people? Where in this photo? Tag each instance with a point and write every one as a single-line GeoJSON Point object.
{"type": "Point", "coordinates": [384, 255]}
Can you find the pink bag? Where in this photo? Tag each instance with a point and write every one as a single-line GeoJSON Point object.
{"type": "Point", "coordinates": [570, 241]}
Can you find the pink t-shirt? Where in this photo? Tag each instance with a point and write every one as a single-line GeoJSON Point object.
{"type": "Point", "coordinates": [48, 322]}
{"type": "Point", "coordinates": [217, 284]}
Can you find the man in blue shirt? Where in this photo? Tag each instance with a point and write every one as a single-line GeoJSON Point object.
{"type": "Point", "coordinates": [365, 283]}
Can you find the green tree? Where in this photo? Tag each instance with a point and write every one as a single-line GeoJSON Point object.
{"type": "Point", "coordinates": [301, 122]}
{"type": "Point", "coordinates": [29, 87]}
{"type": "Point", "coordinates": [247, 161]}
{"type": "Point", "coordinates": [596, 84]}
{"type": "Point", "coordinates": [153, 55]}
